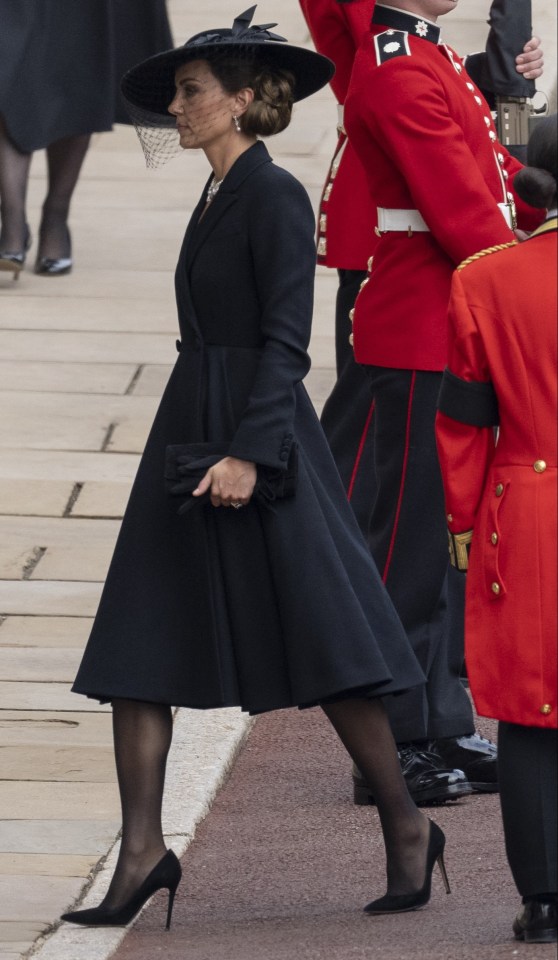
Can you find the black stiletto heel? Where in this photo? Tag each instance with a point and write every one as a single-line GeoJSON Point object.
{"type": "Point", "coordinates": [165, 875]}
{"type": "Point", "coordinates": [414, 901]}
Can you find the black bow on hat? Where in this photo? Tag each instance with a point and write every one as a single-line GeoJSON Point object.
{"type": "Point", "coordinates": [150, 86]}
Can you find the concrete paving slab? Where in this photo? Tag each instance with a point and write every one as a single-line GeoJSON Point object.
{"type": "Point", "coordinates": [87, 347]}
{"type": "Point", "coordinates": [61, 465]}
{"type": "Point", "coordinates": [61, 837]}
{"type": "Point", "coordinates": [44, 632]}
{"type": "Point", "coordinates": [36, 902]}
{"type": "Point", "coordinates": [48, 865]}
{"type": "Point", "coordinates": [93, 314]}
{"type": "Point", "coordinates": [152, 380]}
{"type": "Point", "coordinates": [130, 436]}
{"type": "Point", "coordinates": [57, 764]}
{"type": "Point", "coordinates": [16, 695]}
{"type": "Point", "coordinates": [37, 498]}
{"type": "Point", "coordinates": [98, 499]}
{"type": "Point", "coordinates": [12, 931]}
{"type": "Point", "coordinates": [108, 378]}
{"type": "Point", "coordinates": [36, 664]}
{"type": "Point", "coordinates": [66, 549]}
{"type": "Point", "coordinates": [76, 801]}
{"type": "Point", "coordinates": [153, 285]}
{"type": "Point", "coordinates": [78, 730]}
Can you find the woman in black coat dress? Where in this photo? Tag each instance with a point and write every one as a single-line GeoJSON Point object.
{"type": "Point", "coordinates": [275, 602]}
{"type": "Point", "coordinates": [60, 65]}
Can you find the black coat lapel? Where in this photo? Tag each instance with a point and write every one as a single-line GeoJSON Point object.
{"type": "Point", "coordinates": [199, 230]}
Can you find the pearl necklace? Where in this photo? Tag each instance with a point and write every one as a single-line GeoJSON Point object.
{"type": "Point", "coordinates": [213, 189]}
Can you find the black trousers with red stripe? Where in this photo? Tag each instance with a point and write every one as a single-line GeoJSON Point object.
{"type": "Point", "coordinates": [408, 537]}
{"type": "Point", "coordinates": [347, 417]}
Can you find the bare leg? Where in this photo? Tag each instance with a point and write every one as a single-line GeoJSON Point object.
{"type": "Point", "coordinates": [142, 738]}
{"type": "Point", "coordinates": [14, 174]}
{"type": "Point", "coordinates": [65, 158]}
{"type": "Point", "coordinates": [363, 727]}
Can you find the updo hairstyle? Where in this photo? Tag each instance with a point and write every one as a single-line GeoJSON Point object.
{"type": "Point", "coordinates": [536, 183]}
{"type": "Point", "coordinates": [271, 110]}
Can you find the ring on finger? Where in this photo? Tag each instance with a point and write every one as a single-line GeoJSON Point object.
{"type": "Point", "coordinates": [237, 504]}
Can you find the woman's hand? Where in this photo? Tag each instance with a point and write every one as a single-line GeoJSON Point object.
{"type": "Point", "coordinates": [230, 481]}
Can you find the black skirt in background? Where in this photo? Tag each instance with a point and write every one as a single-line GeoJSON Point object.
{"type": "Point", "coordinates": [61, 62]}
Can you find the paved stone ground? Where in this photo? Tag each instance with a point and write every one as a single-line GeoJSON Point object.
{"type": "Point", "coordinates": [83, 360]}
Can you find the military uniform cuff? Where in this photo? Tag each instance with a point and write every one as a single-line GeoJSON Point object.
{"type": "Point", "coordinates": [459, 547]}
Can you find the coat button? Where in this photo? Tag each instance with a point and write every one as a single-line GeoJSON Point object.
{"type": "Point", "coordinates": [499, 490]}
{"type": "Point", "coordinates": [546, 709]}
{"type": "Point", "coordinates": [352, 314]}
{"type": "Point", "coordinates": [539, 466]}
{"type": "Point", "coordinates": [178, 345]}
{"type": "Point", "coordinates": [450, 517]}
{"type": "Point", "coordinates": [495, 589]}
{"type": "Point", "coordinates": [494, 538]}
{"type": "Point", "coordinates": [351, 341]}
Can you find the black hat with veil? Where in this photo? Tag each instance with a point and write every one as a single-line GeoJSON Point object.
{"type": "Point", "coordinates": [149, 87]}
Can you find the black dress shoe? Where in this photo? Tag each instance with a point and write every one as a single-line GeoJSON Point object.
{"type": "Point", "coordinates": [477, 757]}
{"type": "Point", "coordinates": [429, 783]}
{"type": "Point", "coordinates": [536, 922]}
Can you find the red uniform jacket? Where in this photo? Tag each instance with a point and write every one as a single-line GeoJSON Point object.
{"type": "Point", "coordinates": [503, 330]}
{"type": "Point", "coordinates": [346, 237]}
{"type": "Point", "coordinates": [425, 135]}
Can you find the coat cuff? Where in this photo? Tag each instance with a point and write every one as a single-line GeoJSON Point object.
{"type": "Point", "coordinates": [468, 401]}
{"type": "Point", "coordinates": [459, 547]}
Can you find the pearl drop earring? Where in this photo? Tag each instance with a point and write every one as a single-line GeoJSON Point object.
{"type": "Point", "coordinates": [236, 122]}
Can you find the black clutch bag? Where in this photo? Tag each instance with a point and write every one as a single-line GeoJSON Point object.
{"type": "Point", "coordinates": [187, 463]}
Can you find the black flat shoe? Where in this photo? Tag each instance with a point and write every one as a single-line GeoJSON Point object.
{"type": "Point", "coordinates": [166, 875]}
{"type": "Point", "coordinates": [406, 902]}
{"type": "Point", "coordinates": [13, 261]}
{"type": "Point", "coordinates": [476, 756]}
{"type": "Point", "coordinates": [429, 781]}
{"type": "Point", "coordinates": [536, 922]}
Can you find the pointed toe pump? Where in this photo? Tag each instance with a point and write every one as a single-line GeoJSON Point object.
{"type": "Point", "coordinates": [55, 266]}
{"type": "Point", "coordinates": [166, 875]}
{"type": "Point", "coordinates": [403, 903]}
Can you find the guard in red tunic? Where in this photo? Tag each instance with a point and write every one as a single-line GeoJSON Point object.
{"type": "Point", "coordinates": [441, 181]}
{"type": "Point", "coordinates": [346, 241]}
{"type": "Point", "coordinates": [503, 497]}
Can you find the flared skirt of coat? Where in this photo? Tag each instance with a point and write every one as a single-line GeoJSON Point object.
{"type": "Point", "coordinates": [264, 607]}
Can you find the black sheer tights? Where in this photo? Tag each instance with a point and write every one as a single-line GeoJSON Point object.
{"type": "Point", "coordinates": [14, 175]}
{"type": "Point", "coordinates": [64, 160]}
{"type": "Point", "coordinates": [363, 727]}
{"type": "Point", "coordinates": [142, 737]}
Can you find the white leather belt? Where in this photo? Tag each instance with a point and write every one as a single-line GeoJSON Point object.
{"type": "Point", "coordinates": [400, 220]}
{"type": "Point", "coordinates": [411, 221]}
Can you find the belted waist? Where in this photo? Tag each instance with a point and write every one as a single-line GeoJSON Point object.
{"type": "Point", "coordinates": [411, 221]}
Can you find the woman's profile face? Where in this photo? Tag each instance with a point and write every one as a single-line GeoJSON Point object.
{"type": "Point", "coordinates": [203, 109]}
